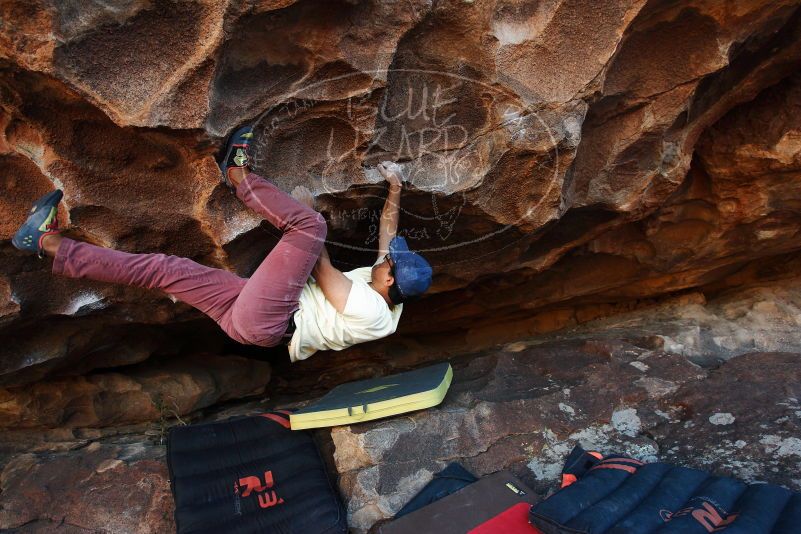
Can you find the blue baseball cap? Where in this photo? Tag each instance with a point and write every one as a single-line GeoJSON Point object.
{"type": "Point", "coordinates": [412, 272]}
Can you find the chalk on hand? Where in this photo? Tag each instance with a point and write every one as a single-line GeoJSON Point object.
{"type": "Point", "coordinates": [393, 167]}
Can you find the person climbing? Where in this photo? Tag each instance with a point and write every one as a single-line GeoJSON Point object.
{"type": "Point", "coordinates": [295, 296]}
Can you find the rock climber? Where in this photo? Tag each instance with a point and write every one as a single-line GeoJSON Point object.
{"type": "Point", "coordinates": [295, 296]}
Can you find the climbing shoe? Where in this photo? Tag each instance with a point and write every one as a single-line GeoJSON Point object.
{"type": "Point", "coordinates": [42, 221]}
{"type": "Point", "coordinates": [236, 152]}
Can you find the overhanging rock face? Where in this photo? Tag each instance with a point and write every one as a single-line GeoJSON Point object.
{"type": "Point", "coordinates": [560, 156]}
{"type": "Point", "coordinates": [565, 161]}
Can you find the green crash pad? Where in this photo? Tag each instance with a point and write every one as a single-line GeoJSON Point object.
{"type": "Point", "coordinates": [374, 398]}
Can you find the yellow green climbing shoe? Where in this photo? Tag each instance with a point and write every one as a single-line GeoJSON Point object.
{"type": "Point", "coordinates": [236, 152]}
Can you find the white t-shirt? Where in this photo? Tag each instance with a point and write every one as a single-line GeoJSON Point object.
{"type": "Point", "coordinates": [318, 326]}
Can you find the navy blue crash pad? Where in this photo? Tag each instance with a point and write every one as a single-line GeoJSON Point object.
{"type": "Point", "coordinates": [620, 495]}
{"type": "Point", "coordinates": [448, 481]}
{"type": "Point", "coordinates": [251, 475]}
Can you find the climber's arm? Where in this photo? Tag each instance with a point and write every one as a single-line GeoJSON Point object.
{"type": "Point", "coordinates": [391, 212]}
{"type": "Point", "coordinates": [335, 285]}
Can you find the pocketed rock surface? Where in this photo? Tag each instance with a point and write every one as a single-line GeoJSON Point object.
{"type": "Point", "coordinates": [577, 172]}
{"type": "Point", "coordinates": [563, 159]}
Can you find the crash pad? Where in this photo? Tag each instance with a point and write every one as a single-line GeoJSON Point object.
{"type": "Point", "coordinates": [450, 480]}
{"type": "Point", "coordinates": [491, 499]}
{"type": "Point", "coordinates": [614, 494]}
{"type": "Point", "coordinates": [374, 398]}
{"type": "Point", "coordinates": [251, 475]}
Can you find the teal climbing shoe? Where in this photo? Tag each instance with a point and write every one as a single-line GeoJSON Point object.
{"type": "Point", "coordinates": [42, 221]}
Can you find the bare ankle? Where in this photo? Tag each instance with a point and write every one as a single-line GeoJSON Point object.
{"type": "Point", "coordinates": [50, 244]}
{"type": "Point", "coordinates": [237, 174]}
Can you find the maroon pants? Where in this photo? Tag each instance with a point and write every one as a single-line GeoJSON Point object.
{"type": "Point", "coordinates": [253, 310]}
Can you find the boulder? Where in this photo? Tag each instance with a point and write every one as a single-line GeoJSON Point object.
{"type": "Point", "coordinates": [615, 183]}
{"type": "Point", "coordinates": [723, 218]}
{"type": "Point", "coordinates": [557, 154]}
{"type": "Point", "coordinates": [88, 490]}
{"type": "Point", "coordinates": [743, 420]}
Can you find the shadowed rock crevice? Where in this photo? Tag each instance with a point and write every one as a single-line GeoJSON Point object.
{"type": "Point", "coordinates": [133, 394]}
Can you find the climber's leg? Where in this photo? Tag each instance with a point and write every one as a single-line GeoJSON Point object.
{"type": "Point", "coordinates": [270, 296]}
{"type": "Point", "coordinates": [212, 291]}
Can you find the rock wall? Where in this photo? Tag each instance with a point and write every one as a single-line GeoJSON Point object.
{"type": "Point", "coordinates": [558, 154]}
{"type": "Point", "coordinates": [86, 491]}
{"type": "Point", "coordinates": [575, 169]}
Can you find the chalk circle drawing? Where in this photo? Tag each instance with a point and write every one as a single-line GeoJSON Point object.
{"type": "Point", "coordinates": [417, 127]}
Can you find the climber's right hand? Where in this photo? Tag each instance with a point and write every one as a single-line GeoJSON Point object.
{"type": "Point", "coordinates": [391, 172]}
